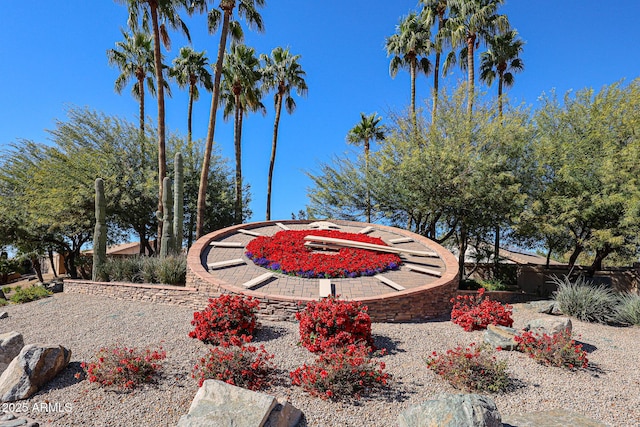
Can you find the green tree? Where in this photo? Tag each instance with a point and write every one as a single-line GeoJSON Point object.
{"type": "Point", "coordinates": [247, 9]}
{"type": "Point", "coordinates": [409, 47]}
{"type": "Point", "coordinates": [190, 69]}
{"type": "Point", "coordinates": [282, 73]}
{"type": "Point", "coordinates": [469, 23]}
{"type": "Point", "coordinates": [240, 95]}
{"type": "Point", "coordinates": [432, 12]}
{"type": "Point", "coordinates": [501, 60]}
{"type": "Point", "coordinates": [367, 130]}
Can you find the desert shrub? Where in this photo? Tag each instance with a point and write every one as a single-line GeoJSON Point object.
{"type": "Point", "coordinates": [149, 269]}
{"type": "Point", "coordinates": [554, 350]}
{"type": "Point", "coordinates": [471, 368]}
{"type": "Point", "coordinates": [123, 269]}
{"type": "Point", "coordinates": [172, 270]}
{"type": "Point", "coordinates": [477, 312]}
{"type": "Point", "coordinates": [628, 309]}
{"type": "Point", "coordinates": [32, 293]}
{"type": "Point", "coordinates": [341, 372]}
{"type": "Point", "coordinates": [493, 285]}
{"type": "Point", "coordinates": [584, 300]}
{"type": "Point", "coordinates": [331, 322]}
{"type": "Point", "coordinates": [123, 367]}
{"type": "Point", "coordinates": [245, 366]}
{"type": "Point", "coordinates": [227, 320]}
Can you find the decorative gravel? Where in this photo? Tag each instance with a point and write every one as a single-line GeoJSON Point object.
{"type": "Point", "coordinates": [608, 391]}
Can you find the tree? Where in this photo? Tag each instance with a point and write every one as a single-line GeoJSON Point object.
{"type": "Point", "coordinates": [435, 10]}
{"type": "Point", "coordinates": [167, 12]}
{"type": "Point", "coordinates": [282, 73]}
{"type": "Point", "coordinates": [367, 130]}
{"type": "Point", "coordinates": [469, 23]}
{"type": "Point", "coordinates": [190, 69]}
{"type": "Point", "coordinates": [248, 10]}
{"type": "Point", "coordinates": [501, 60]}
{"type": "Point", "coordinates": [240, 95]}
{"type": "Point", "coordinates": [409, 47]}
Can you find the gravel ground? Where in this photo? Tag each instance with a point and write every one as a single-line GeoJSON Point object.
{"type": "Point", "coordinates": [608, 391]}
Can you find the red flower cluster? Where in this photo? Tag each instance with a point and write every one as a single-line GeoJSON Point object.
{"type": "Point", "coordinates": [334, 323]}
{"type": "Point", "coordinates": [227, 320]}
{"type": "Point", "coordinates": [246, 366]}
{"type": "Point", "coordinates": [123, 367]}
{"type": "Point", "coordinates": [554, 350]}
{"type": "Point", "coordinates": [475, 313]}
{"type": "Point", "coordinates": [341, 372]}
{"type": "Point", "coordinates": [285, 252]}
{"type": "Point", "coordinates": [470, 368]}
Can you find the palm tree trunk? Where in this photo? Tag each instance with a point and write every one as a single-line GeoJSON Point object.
{"type": "Point", "coordinates": [272, 161]}
{"type": "Point", "coordinates": [471, 39]}
{"type": "Point", "coordinates": [366, 172]}
{"type": "Point", "coordinates": [189, 115]}
{"type": "Point", "coordinates": [141, 93]}
{"type": "Point", "coordinates": [204, 175]}
{"type": "Point", "coordinates": [436, 82]}
{"type": "Point", "coordinates": [238, 150]}
{"type": "Point", "coordinates": [162, 161]}
{"type": "Point", "coordinates": [500, 81]}
{"type": "Point", "coordinates": [413, 91]}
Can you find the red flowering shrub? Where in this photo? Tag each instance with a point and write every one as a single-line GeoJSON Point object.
{"type": "Point", "coordinates": [476, 312]}
{"type": "Point", "coordinates": [470, 368]}
{"type": "Point", "coordinates": [246, 366]}
{"type": "Point", "coordinates": [554, 350]}
{"type": "Point", "coordinates": [285, 252]}
{"type": "Point", "coordinates": [341, 372]}
{"type": "Point", "coordinates": [227, 320]}
{"type": "Point", "coordinates": [331, 322]}
{"type": "Point", "coordinates": [123, 367]}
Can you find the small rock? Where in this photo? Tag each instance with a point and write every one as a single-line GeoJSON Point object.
{"type": "Point", "coordinates": [549, 326]}
{"type": "Point", "coordinates": [4, 315]}
{"type": "Point", "coordinates": [10, 345]}
{"type": "Point", "coordinates": [501, 336]}
{"type": "Point", "coordinates": [284, 415]}
{"type": "Point", "coordinates": [7, 417]}
{"type": "Point", "coordinates": [453, 410]}
{"type": "Point", "coordinates": [545, 307]}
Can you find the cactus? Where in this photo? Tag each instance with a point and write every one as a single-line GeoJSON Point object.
{"type": "Point", "coordinates": [166, 243]}
{"type": "Point", "coordinates": [178, 208]}
{"type": "Point", "coordinates": [100, 232]}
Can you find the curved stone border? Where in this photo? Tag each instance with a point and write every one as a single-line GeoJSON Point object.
{"type": "Point", "coordinates": [423, 302]}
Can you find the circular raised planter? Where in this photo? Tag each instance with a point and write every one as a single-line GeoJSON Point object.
{"type": "Point", "coordinates": [420, 289]}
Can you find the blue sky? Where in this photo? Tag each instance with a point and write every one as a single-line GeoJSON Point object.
{"type": "Point", "coordinates": [52, 56]}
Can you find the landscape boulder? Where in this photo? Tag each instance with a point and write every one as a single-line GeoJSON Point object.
{"type": "Point", "coordinates": [31, 369]}
{"type": "Point", "coordinates": [452, 410]}
{"type": "Point", "coordinates": [498, 336]}
{"type": "Point", "coordinates": [549, 326]}
{"type": "Point", "coordinates": [10, 345]}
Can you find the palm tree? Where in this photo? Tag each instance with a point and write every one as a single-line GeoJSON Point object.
{"type": "Point", "coordinates": [281, 72]}
{"type": "Point", "coordinates": [154, 11]}
{"type": "Point", "coordinates": [248, 10]}
{"type": "Point", "coordinates": [367, 130]}
{"type": "Point", "coordinates": [240, 94]}
{"type": "Point", "coordinates": [409, 45]}
{"type": "Point", "coordinates": [435, 10]}
{"type": "Point", "coordinates": [134, 59]}
{"type": "Point", "coordinates": [470, 22]}
{"type": "Point", "coordinates": [190, 68]}
{"type": "Point", "coordinates": [501, 60]}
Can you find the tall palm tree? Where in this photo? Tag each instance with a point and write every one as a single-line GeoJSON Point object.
{"type": "Point", "coordinates": [435, 10]}
{"type": "Point", "coordinates": [409, 47]}
{"type": "Point", "coordinates": [469, 23]}
{"type": "Point", "coordinates": [367, 130]}
{"type": "Point", "coordinates": [190, 69]}
{"type": "Point", "coordinates": [502, 60]}
{"type": "Point", "coordinates": [154, 11]}
{"type": "Point", "coordinates": [247, 9]}
{"type": "Point", "coordinates": [240, 94]}
{"type": "Point", "coordinates": [283, 73]}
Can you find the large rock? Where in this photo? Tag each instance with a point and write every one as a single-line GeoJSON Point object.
{"type": "Point", "coordinates": [31, 369]}
{"type": "Point", "coordinates": [223, 405]}
{"type": "Point", "coordinates": [501, 337]}
{"type": "Point", "coordinates": [10, 345]}
{"type": "Point", "coordinates": [549, 326]}
{"type": "Point", "coordinates": [453, 410]}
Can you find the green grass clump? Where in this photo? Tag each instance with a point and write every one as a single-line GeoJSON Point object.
{"type": "Point", "coordinates": [628, 309]}
{"type": "Point", "coordinates": [29, 294]}
{"type": "Point", "coordinates": [584, 300]}
{"type": "Point", "coordinates": [172, 270]}
{"type": "Point", "coordinates": [493, 285]}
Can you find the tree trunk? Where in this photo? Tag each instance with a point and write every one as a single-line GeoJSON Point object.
{"type": "Point", "coordinates": [574, 256]}
{"type": "Point", "coordinates": [206, 163]}
{"type": "Point", "coordinates": [601, 254]}
{"type": "Point", "coordinates": [272, 161]}
{"type": "Point", "coordinates": [548, 258]}
{"type": "Point", "coordinates": [238, 152]}
{"type": "Point", "coordinates": [142, 123]}
{"type": "Point", "coordinates": [471, 39]}
{"type": "Point", "coordinates": [462, 251]}
{"type": "Point", "coordinates": [366, 174]}
{"type": "Point", "coordinates": [500, 82]}
{"type": "Point", "coordinates": [189, 115]}
{"type": "Point", "coordinates": [496, 251]}
{"type": "Point", "coordinates": [37, 268]}
{"type": "Point", "coordinates": [53, 267]}
{"type": "Point", "coordinates": [413, 91]}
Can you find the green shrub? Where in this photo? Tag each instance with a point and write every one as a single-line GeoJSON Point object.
{"type": "Point", "coordinates": [29, 294]}
{"type": "Point", "coordinates": [628, 309]}
{"type": "Point", "coordinates": [3, 302]}
{"type": "Point", "coordinates": [584, 300]}
{"type": "Point", "coordinates": [149, 269]}
{"type": "Point", "coordinates": [7, 289]}
{"type": "Point", "coordinates": [172, 270]}
{"type": "Point", "coordinates": [493, 285]}
{"type": "Point", "coordinates": [126, 269]}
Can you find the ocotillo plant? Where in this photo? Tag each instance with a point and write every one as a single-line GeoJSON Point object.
{"type": "Point", "coordinates": [178, 208]}
{"type": "Point", "coordinates": [166, 243]}
{"type": "Point", "coordinates": [100, 232]}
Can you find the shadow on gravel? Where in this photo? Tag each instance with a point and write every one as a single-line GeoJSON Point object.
{"type": "Point", "coordinates": [268, 333]}
{"type": "Point", "coordinates": [383, 342]}
{"type": "Point", "coordinates": [587, 347]}
{"type": "Point", "coordinates": [65, 378]}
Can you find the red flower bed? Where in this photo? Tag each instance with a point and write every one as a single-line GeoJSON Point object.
{"type": "Point", "coordinates": [285, 252]}
{"type": "Point", "coordinates": [474, 313]}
